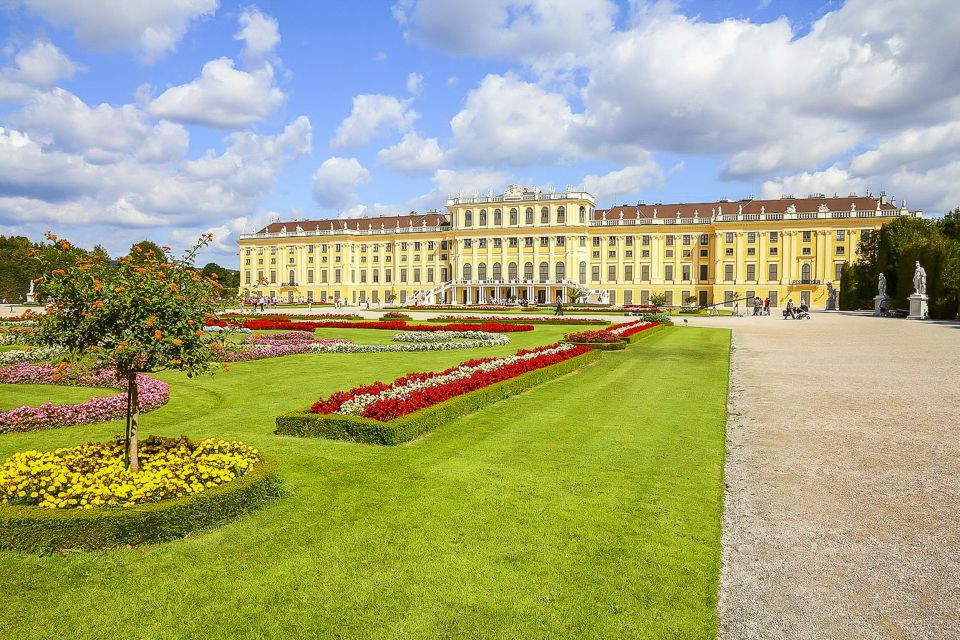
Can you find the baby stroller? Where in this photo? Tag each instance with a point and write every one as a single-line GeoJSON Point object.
{"type": "Point", "coordinates": [799, 313]}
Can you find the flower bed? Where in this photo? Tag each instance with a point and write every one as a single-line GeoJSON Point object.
{"type": "Point", "coordinates": [395, 315]}
{"type": "Point", "coordinates": [421, 341]}
{"type": "Point", "coordinates": [628, 329]}
{"type": "Point", "coordinates": [152, 394]}
{"type": "Point", "coordinates": [272, 345]}
{"type": "Point", "coordinates": [37, 354]}
{"type": "Point", "coordinates": [422, 401]}
{"type": "Point", "coordinates": [561, 320]}
{"type": "Point", "coordinates": [235, 317]}
{"type": "Point", "coordinates": [16, 335]}
{"type": "Point", "coordinates": [286, 325]}
{"type": "Point", "coordinates": [82, 497]}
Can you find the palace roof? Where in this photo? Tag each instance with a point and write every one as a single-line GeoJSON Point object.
{"type": "Point", "coordinates": [387, 223]}
{"type": "Point", "coordinates": [750, 206]}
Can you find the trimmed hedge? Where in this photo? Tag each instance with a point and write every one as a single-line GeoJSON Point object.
{"type": "Point", "coordinates": [643, 334]}
{"type": "Point", "coordinates": [527, 321]}
{"type": "Point", "coordinates": [28, 528]}
{"type": "Point", "coordinates": [602, 346]}
{"type": "Point", "coordinates": [306, 424]}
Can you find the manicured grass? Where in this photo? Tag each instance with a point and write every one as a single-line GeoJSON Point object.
{"type": "Point", "coordinates": [586, 507]}
{"type": "Point", "coordinates": [34, 395]}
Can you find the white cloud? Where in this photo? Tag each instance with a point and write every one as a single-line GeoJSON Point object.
{"type": "Point", "coordinates": [167, 142]}
{"type": "Point", "coordinates": [414, 83]}
{"type": "Point", "coordinates": [151, 28]}
{"type": "Point", "coordinates": [508, 120]}
{"type": "Point", "coordinates": [413, 155]}
{"type": "Point", "coordinates": [102, 133]}
{"type": "Point", "coordinates": [43, 64]}
{"type": "Point", "coordinates": [260, 34]}
{"type": "Point", "coordinates": [925, 147]}
{"type": "Point", "coordinates": [335, 180]}
{"type": "Point", "coordinates": [223, 97]}
{"type": "Point", "coordinates": [372, 115]}
{"type": "Point", "coordinates": [622, 183]}
{"type": "Point", "coordinates": [450, 182]}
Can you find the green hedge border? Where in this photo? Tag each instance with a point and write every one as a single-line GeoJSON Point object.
{"type": "Point", "coordinates": [602, 346]}
{"type": "Point", "coordinates": [306, 424]}
{"type": "Point", "coordinates": [643, 334]}
{"type": "Point", "coordinates": [33, 529]}
{"type": "Point", "coordinates": [517, 321]}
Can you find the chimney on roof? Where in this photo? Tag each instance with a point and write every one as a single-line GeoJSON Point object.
{"type": "Point", "coordinates": [883, 198]}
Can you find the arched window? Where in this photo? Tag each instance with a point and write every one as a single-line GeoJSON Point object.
{"type": "Point", "coordinates": [513, 216]}
{"type": "Point", "coordinates": [528, 217]}
{"type": "Point", "coordinates": [583, 273]}
{"type": "Point", "coordinates": [805, 272]}
{"type": "Point", "coordinates": [497, 271]}
{"type": "Point", "coordinates": [512, 270]}
{"type": "Point", "coordinates": [497, 217]}
{"type": "Point", "coordinates": [544, 271]}
{"type": "Point", "coordinates": [561, 215]}
{"type": "Point", "coordinates": [544, 215]}
{"type": "Point", "coordinates": [483, 218]}
{"type": "Point", "coordinates": [482, 271]}
{"type": "Point", "coordinates": [528, 271]}
{"type": "Point", "coordinates": [561, 271]}
{"type": "Point", "coordinates": [467, 272]}
{"type": "Point", "coordinates": [468, 218]}
{"type": "Point", "coordinates": [583, 214]}
{"type": "Point", "coordinates": [292, 277]}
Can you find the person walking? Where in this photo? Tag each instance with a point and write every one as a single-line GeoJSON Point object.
{"type": "Point", "coordinates": [559, 311]}
{"type": "Point", "coordinates": [766, 306]}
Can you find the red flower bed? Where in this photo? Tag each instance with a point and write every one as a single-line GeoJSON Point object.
{"type": "Point", "coordinates": [263, 324]}
{"type": "Point", "coordinates": [595, 337]}
{"type": "Point", "coordinates": [416, 391]}
{"type": "Point", "coordinates": [631, 328]}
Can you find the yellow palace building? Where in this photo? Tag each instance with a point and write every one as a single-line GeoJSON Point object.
{"type": "Point", "coordinates": [534, 245]}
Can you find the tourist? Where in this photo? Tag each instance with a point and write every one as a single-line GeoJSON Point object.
{"type": "Point", "coordinates": [559, 311]}
{"type": "Point", "coordinates": [756, 306]}
{"type": "Point", "coordinates": [766, 306]}
{"type": "Point", "coordinates": [789, 310]}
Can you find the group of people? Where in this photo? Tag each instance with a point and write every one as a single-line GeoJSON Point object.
{"type": "Point", "coordinates": [760, 307]}
{"type": "Point", "coordinates": [794, 312]}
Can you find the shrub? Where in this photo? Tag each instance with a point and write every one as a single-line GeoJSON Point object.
{"type": "Point", "coordinates": [395, 315]}
{"type": "Point", "coordinates": [595, 337]}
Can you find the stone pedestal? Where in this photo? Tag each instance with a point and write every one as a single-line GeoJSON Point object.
{"type": "Point", "coordinates": [880, 301]}
{"type": "Point", "coordinates": [918, 307]}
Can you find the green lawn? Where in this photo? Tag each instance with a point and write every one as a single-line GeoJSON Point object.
{"type": "Point", "coordinates": [34, 395]}
{"type": "Point", "coordinates": [588, 507]}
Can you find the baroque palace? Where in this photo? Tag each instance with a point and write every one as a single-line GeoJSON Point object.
{"type": "Point", "coordinates": [538, 246]}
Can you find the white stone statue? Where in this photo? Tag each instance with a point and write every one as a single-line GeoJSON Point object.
{"type": "Point", "coordinates": [920, 280]}
{"type": "Point", "coordinates": [882, 286]}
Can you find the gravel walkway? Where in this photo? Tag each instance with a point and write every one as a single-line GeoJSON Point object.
{"type": "Point", "coordinates": [842, 512]}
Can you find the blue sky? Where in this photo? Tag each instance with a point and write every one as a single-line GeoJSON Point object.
{"type": "Point", "coordinates": [122, 121]}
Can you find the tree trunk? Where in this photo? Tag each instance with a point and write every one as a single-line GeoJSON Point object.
{"type": "Point", "coordinates": [133, 392]}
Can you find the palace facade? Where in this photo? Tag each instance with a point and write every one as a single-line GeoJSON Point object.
{"type": "Point", "coordinates": [534, 245]}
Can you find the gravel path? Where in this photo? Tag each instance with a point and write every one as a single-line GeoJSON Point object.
{"type": "Point", "coordinates": [842, 512]}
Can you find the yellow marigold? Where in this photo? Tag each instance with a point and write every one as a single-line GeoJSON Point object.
{"type": "Point", "coordinates": [158, 335]}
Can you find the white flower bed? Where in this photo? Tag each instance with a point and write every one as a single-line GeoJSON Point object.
{"type": "Point", "coordinates": [357, 404]}
{"type": "Point", "coordinates": [214, 328]}
{"type": "Point", "coordinates": [28, 355]}
{"type": "Point", "coordinates": [447, 336]}
{"type": "Point", "coordinates": [409, 346]}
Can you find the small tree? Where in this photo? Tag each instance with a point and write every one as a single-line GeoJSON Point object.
{"type": "Point", "coordinates": [690, 301]}
{"type": "Point", "coordinates": [658, 299]}
{"type": "Point", "coordinates": [142, 315]}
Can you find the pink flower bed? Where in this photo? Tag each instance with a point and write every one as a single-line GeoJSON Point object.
{"type": "Point", "coordinates": [272, 345]}
{"type": "Point", "coordinates": [152, 394]}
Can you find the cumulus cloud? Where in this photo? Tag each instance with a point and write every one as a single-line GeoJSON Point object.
{"type": "Point", "coordinates": [414, 83]}
{"type": "Point", "coordinates": [42, 64]}
{"type": "Point", "coordinates": [372, 115]}
{"type": "Point", "coordinates": [508, 120]}
{"type": "Point", "coordinates": [626, 182]}
{"type": "Point", "coordinates": [153, 29]}
{"type": "Point", "coordinates": [413, 155]}
{"type": "Point", "coordinates": [260, 34]}
{"type": "Point", "coordinates": [223, 97]}
{"type": "Point", "coordinates": [451, 182]}
{"type": "Point", "coordinates": [334, 182]}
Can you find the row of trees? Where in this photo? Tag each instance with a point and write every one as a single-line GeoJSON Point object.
{"type": "Point", "coordinates": [893, 250]}
{"type": "Point", "coordinates": [19, 265]}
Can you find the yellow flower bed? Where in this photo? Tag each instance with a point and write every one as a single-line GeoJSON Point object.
{"type": "Point", "coordinates": [92, 474]}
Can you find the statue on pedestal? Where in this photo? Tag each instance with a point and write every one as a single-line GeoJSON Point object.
{"type": "Point", "coordinates": [882, 286]}
{"type": "Point", "coordinates": [831, 297]}
{"type": "Point", "coordinates": [920, 280]}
